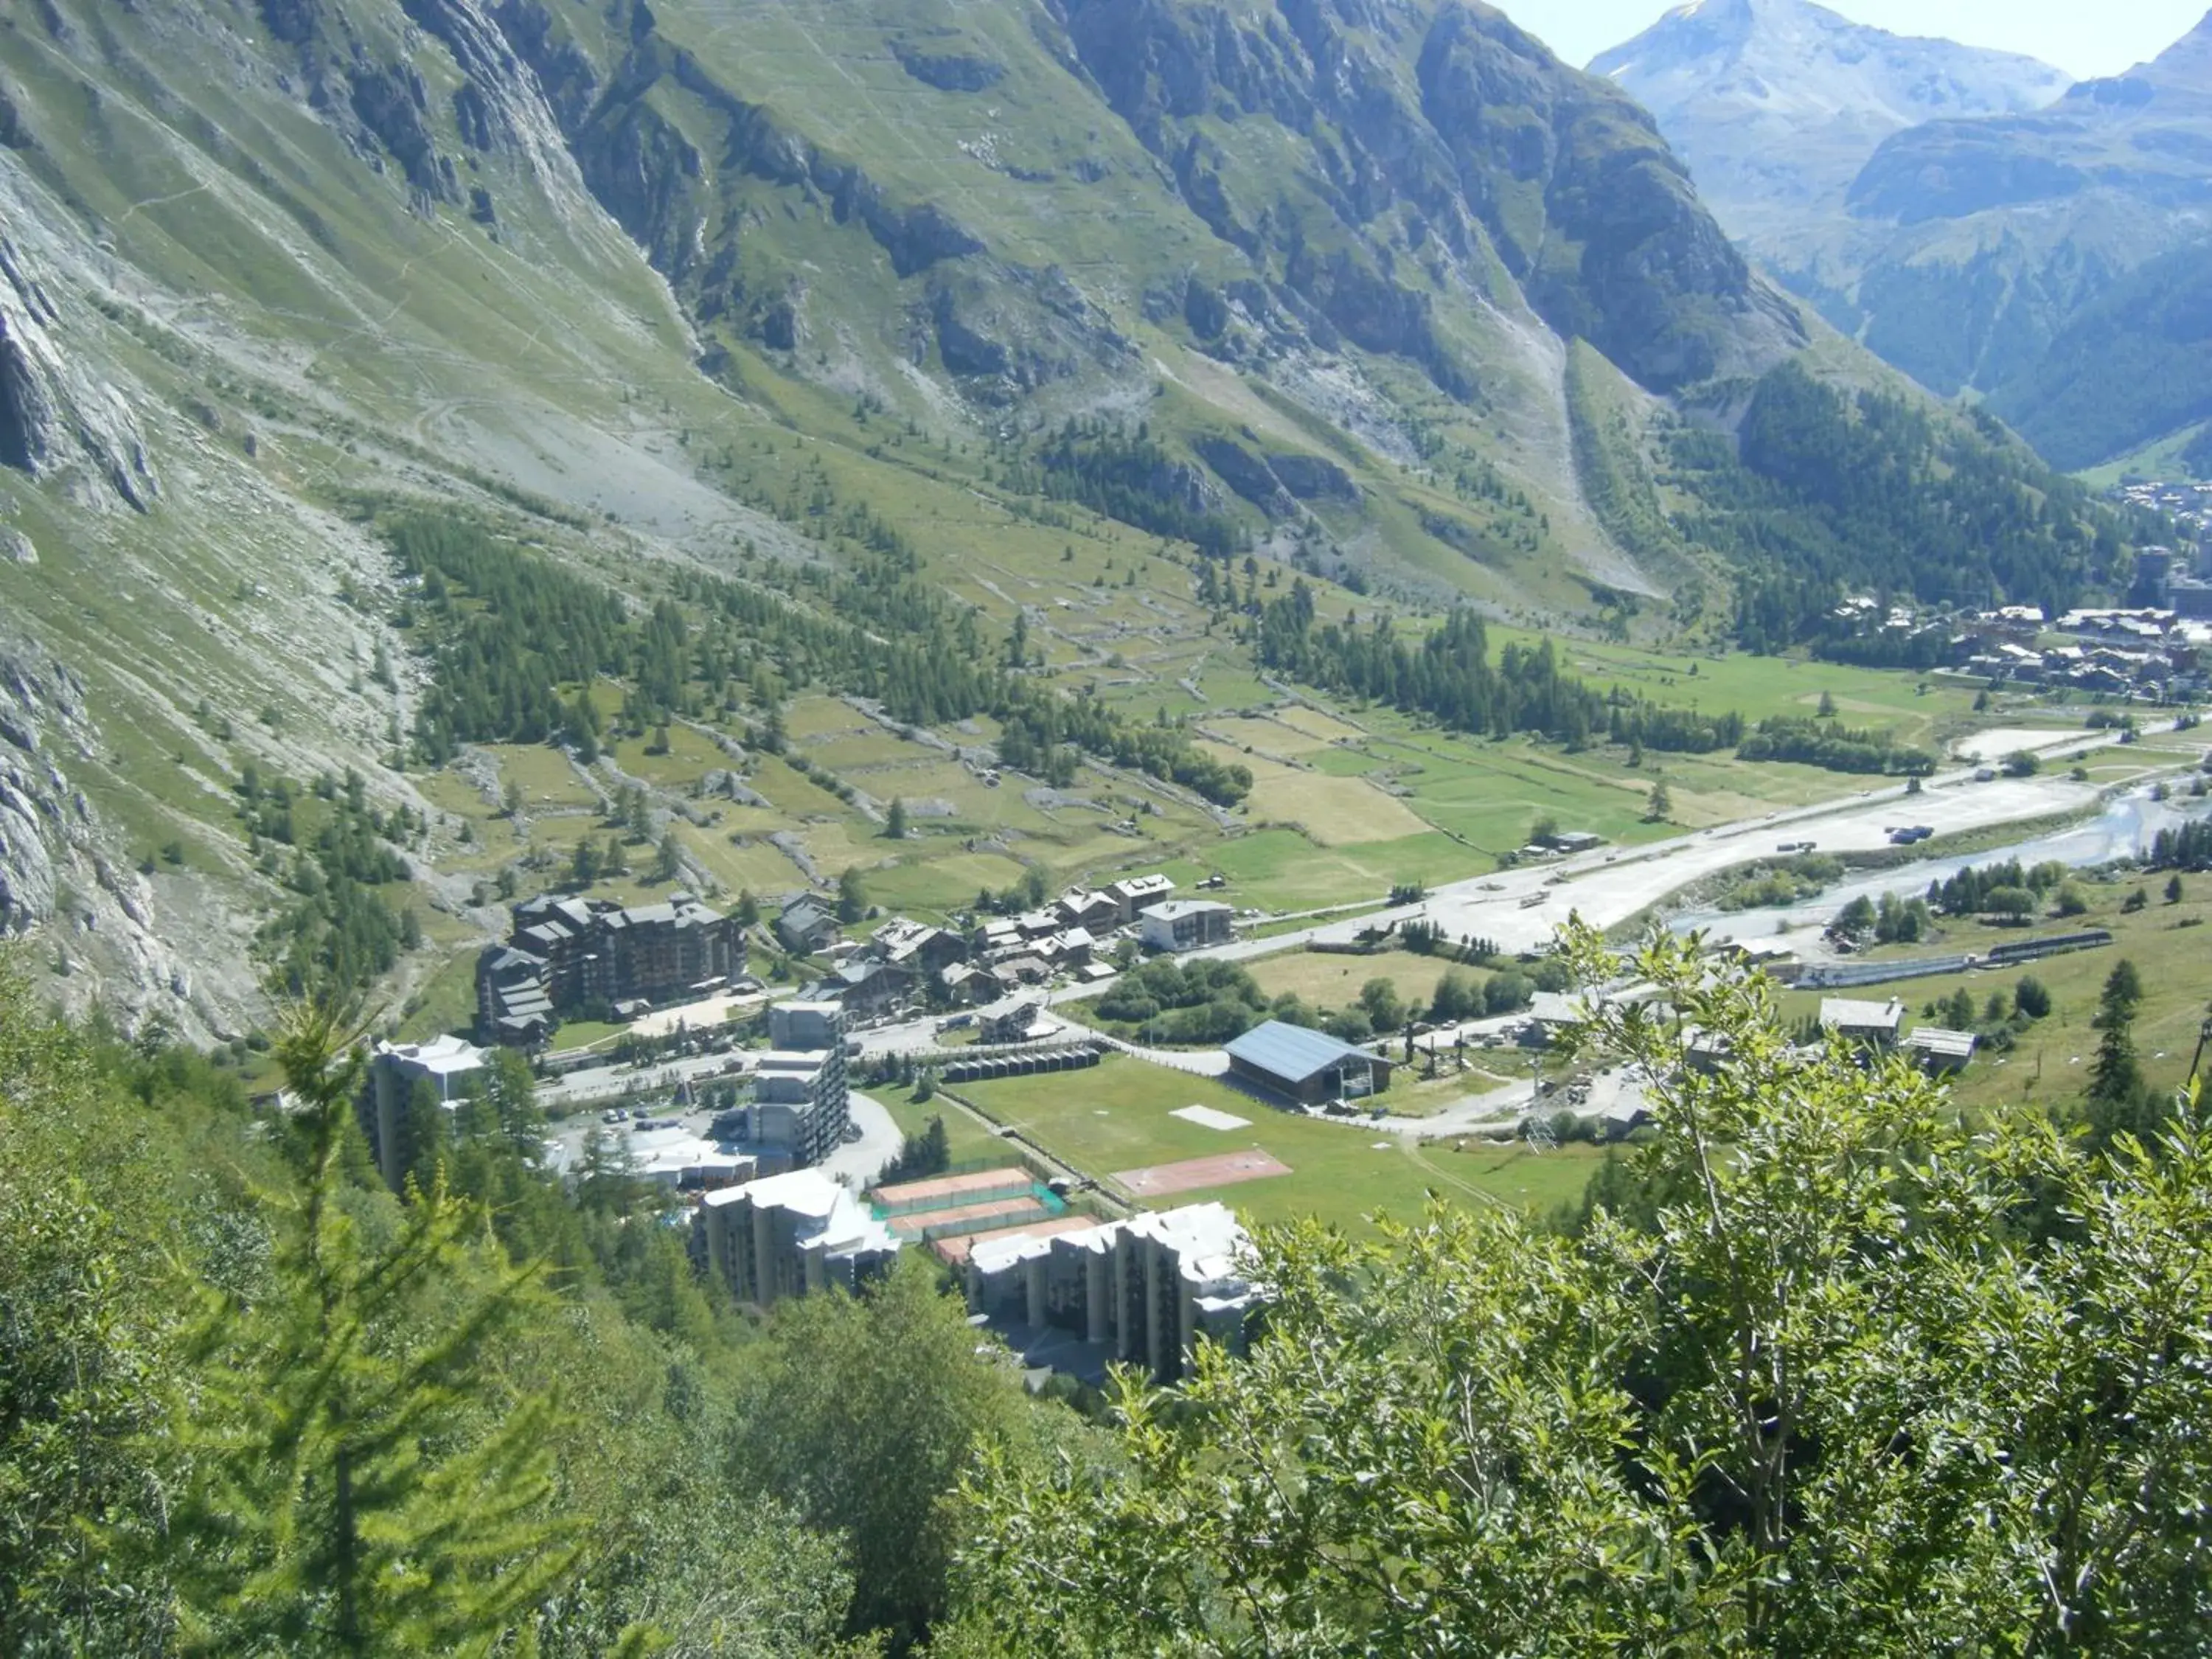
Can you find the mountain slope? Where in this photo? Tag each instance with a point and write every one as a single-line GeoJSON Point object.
{"type": "Point", "coordinates": [2146, 135]}
{"type": "Point", "coordinates": [2067, 239]}
{"type": "Point", "coordinates": [2129, 370]}
{"type": "Point", "coordinates": [1951, 209]}
{"type": "Point", "coordinates": [836, 331]}
{"type": "Point", "coordinates": [1776, 104]}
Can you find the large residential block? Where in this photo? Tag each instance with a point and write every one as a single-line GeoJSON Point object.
{"type": "Point", "coordinates": [1142, 1290]}
{"type": "Point", "coordinates": [790, 1235]}
{"type": "Point", "coordinates": [569, 952]}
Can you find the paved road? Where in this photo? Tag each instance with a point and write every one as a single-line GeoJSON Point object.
{"type": "Point", "coordinates": [1609, 886]}
{"type": "Point", "coordinates": [859, 1162]}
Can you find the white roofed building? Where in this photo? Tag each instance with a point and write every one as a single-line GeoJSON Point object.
{"type": "Point", "coordinates": [790, 1235]}
{"type": "Point", "coordinates": [445, 1063]}
{"type": "Point", "coordinates": [1133, 894]}
{"type": "Point", "coordinates": [1141, 1291]}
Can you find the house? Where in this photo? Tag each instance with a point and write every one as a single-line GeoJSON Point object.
{"type": "Point", "coordinates": [801, 1101]}
{"type": "Point", "coordinates": [1017, 1019]}
{"type": "Point", "coordinates": [514, 1002]}
{"type": "Point", "coordinates": [919, 948]}
{"type": "Point", "coordinates": [800, 1104]}
{"type": "Point", "coordinates": [1706, 1052]}
{"type": "Point", "coordinates": [1141, 1291]}
{"type": "Point", "coordinates": [1068, 950]}
{"type": "Point", "coordinates": [1616, 1105]}
{"type": "Point", "coordinates": [1769, 956]}
{"type": "Point", "coordinates": [1572, 840]}
{"type": "Point", "coordinates": [973, 982]}
{"type": "Point", "coordinates": [806, 926]}
{"type": "Point", "coordinates": [1037, 924]}
{"type": "Point", "coordinates": [1938, 1051]}
{"type": "Point", "coordinates": [794, 1234]}
{"type": "Point", "coordinates": [1001, 934]}
{"type": "Point", "coordinates": [803, 1025]}
{"type": "Point", "coordinates": [440, 1068]}
{"type": "Point", "coordinates": [1185, 925]}
{"type": "Point", "coordinates": [1305, 1066]}
{"type": "Point", "coordinates": [1553, 1017]}
{"type": "Point", "coordinates": [1023, 970]}
{"type": "Point", "coordinates": [1098, 912]}
{"type": "Point", "coordinates": [1869, 1024]}
{"type": "Point", "coordinates": [865, 988]}
{"type": "Point", "coordinates": [1131, 895]}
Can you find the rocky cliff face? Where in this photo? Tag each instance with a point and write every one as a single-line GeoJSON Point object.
{"type": "Point", "coordinates": [55, 415]}
{"type": "Point", "coordinates": [1467, 134]}
{"type": "Point", "coordinates": [60, 874]}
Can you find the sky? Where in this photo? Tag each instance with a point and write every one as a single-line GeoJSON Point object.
{"type": "Point", "coordinates": [2084, 38]}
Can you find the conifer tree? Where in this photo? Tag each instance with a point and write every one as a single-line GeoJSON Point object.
{"type": "Point", "coordinates": [361, 1485]}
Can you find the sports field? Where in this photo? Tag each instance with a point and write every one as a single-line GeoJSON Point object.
{"type": "Point", "coordinates": [1118, 1117]}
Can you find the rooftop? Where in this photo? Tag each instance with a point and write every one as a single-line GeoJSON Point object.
{"type": "Point", "coordinates": [1940, 1040]}
{"type": "Point", "coordinates": [1208, 1241]}
{"type": "Point", "coordinates": [1171, 909]}
{"type": "Point", "coordinates": [1292, 1051]}
{"type": "Point", "coordinates": [1137, 886]}
{"type": "Point", "coordinates": [1853, 1014]}
{"type": "Point", "coordinates": [842, 1222]}
{"type": "Point", "coordinates": [444, 1056]}
{"type": "Point", "coordinates": [1556, 1008]}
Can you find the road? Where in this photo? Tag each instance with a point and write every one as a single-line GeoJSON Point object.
{"type": "Point", "coordinates": [602, 1084]}
{"type": "Point", "coordinates": [1607, 887]}
{"type": "Point", "coordinates": [1610, 885]}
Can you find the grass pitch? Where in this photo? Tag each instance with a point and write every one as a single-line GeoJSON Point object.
{"type": "Point", "coordinates": [1117, 1117]}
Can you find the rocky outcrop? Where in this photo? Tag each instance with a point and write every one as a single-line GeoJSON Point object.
{"type": "Point", "coordinates": [1619, 252]}
{"type": "Point", "coordinates": [1247, 474]}
{"type": "Point", "coordinates": [509, 103]}
{"type": "Point", "coordinates": [566, 77]}
{"type": "Point", "coordinates": [14, 133]}
{"type": "Point", "coordinates": [39, 811]}
{"type": "Point", "coordinates": [57, 878]}
{"type": "Point", "coordinates": [948, 71]}
{"type": "Point", "coordinates": [52, 412]}
{"type": "Point", "coordinates": [1309, 478]}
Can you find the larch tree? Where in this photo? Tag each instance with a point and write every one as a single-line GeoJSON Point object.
{"type": "Point", "coordinates": [362, 1482]}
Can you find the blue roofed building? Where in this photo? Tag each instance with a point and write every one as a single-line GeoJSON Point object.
{"type": "Point", "coordinates": [1307, 1066]}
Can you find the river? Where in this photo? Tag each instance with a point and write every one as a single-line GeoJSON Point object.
{"type": "Point", "coordinates": [2122, 830]}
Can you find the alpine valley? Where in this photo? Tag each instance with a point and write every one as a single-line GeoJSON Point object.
{"type": "Point", "coordinates": [434, 428]}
